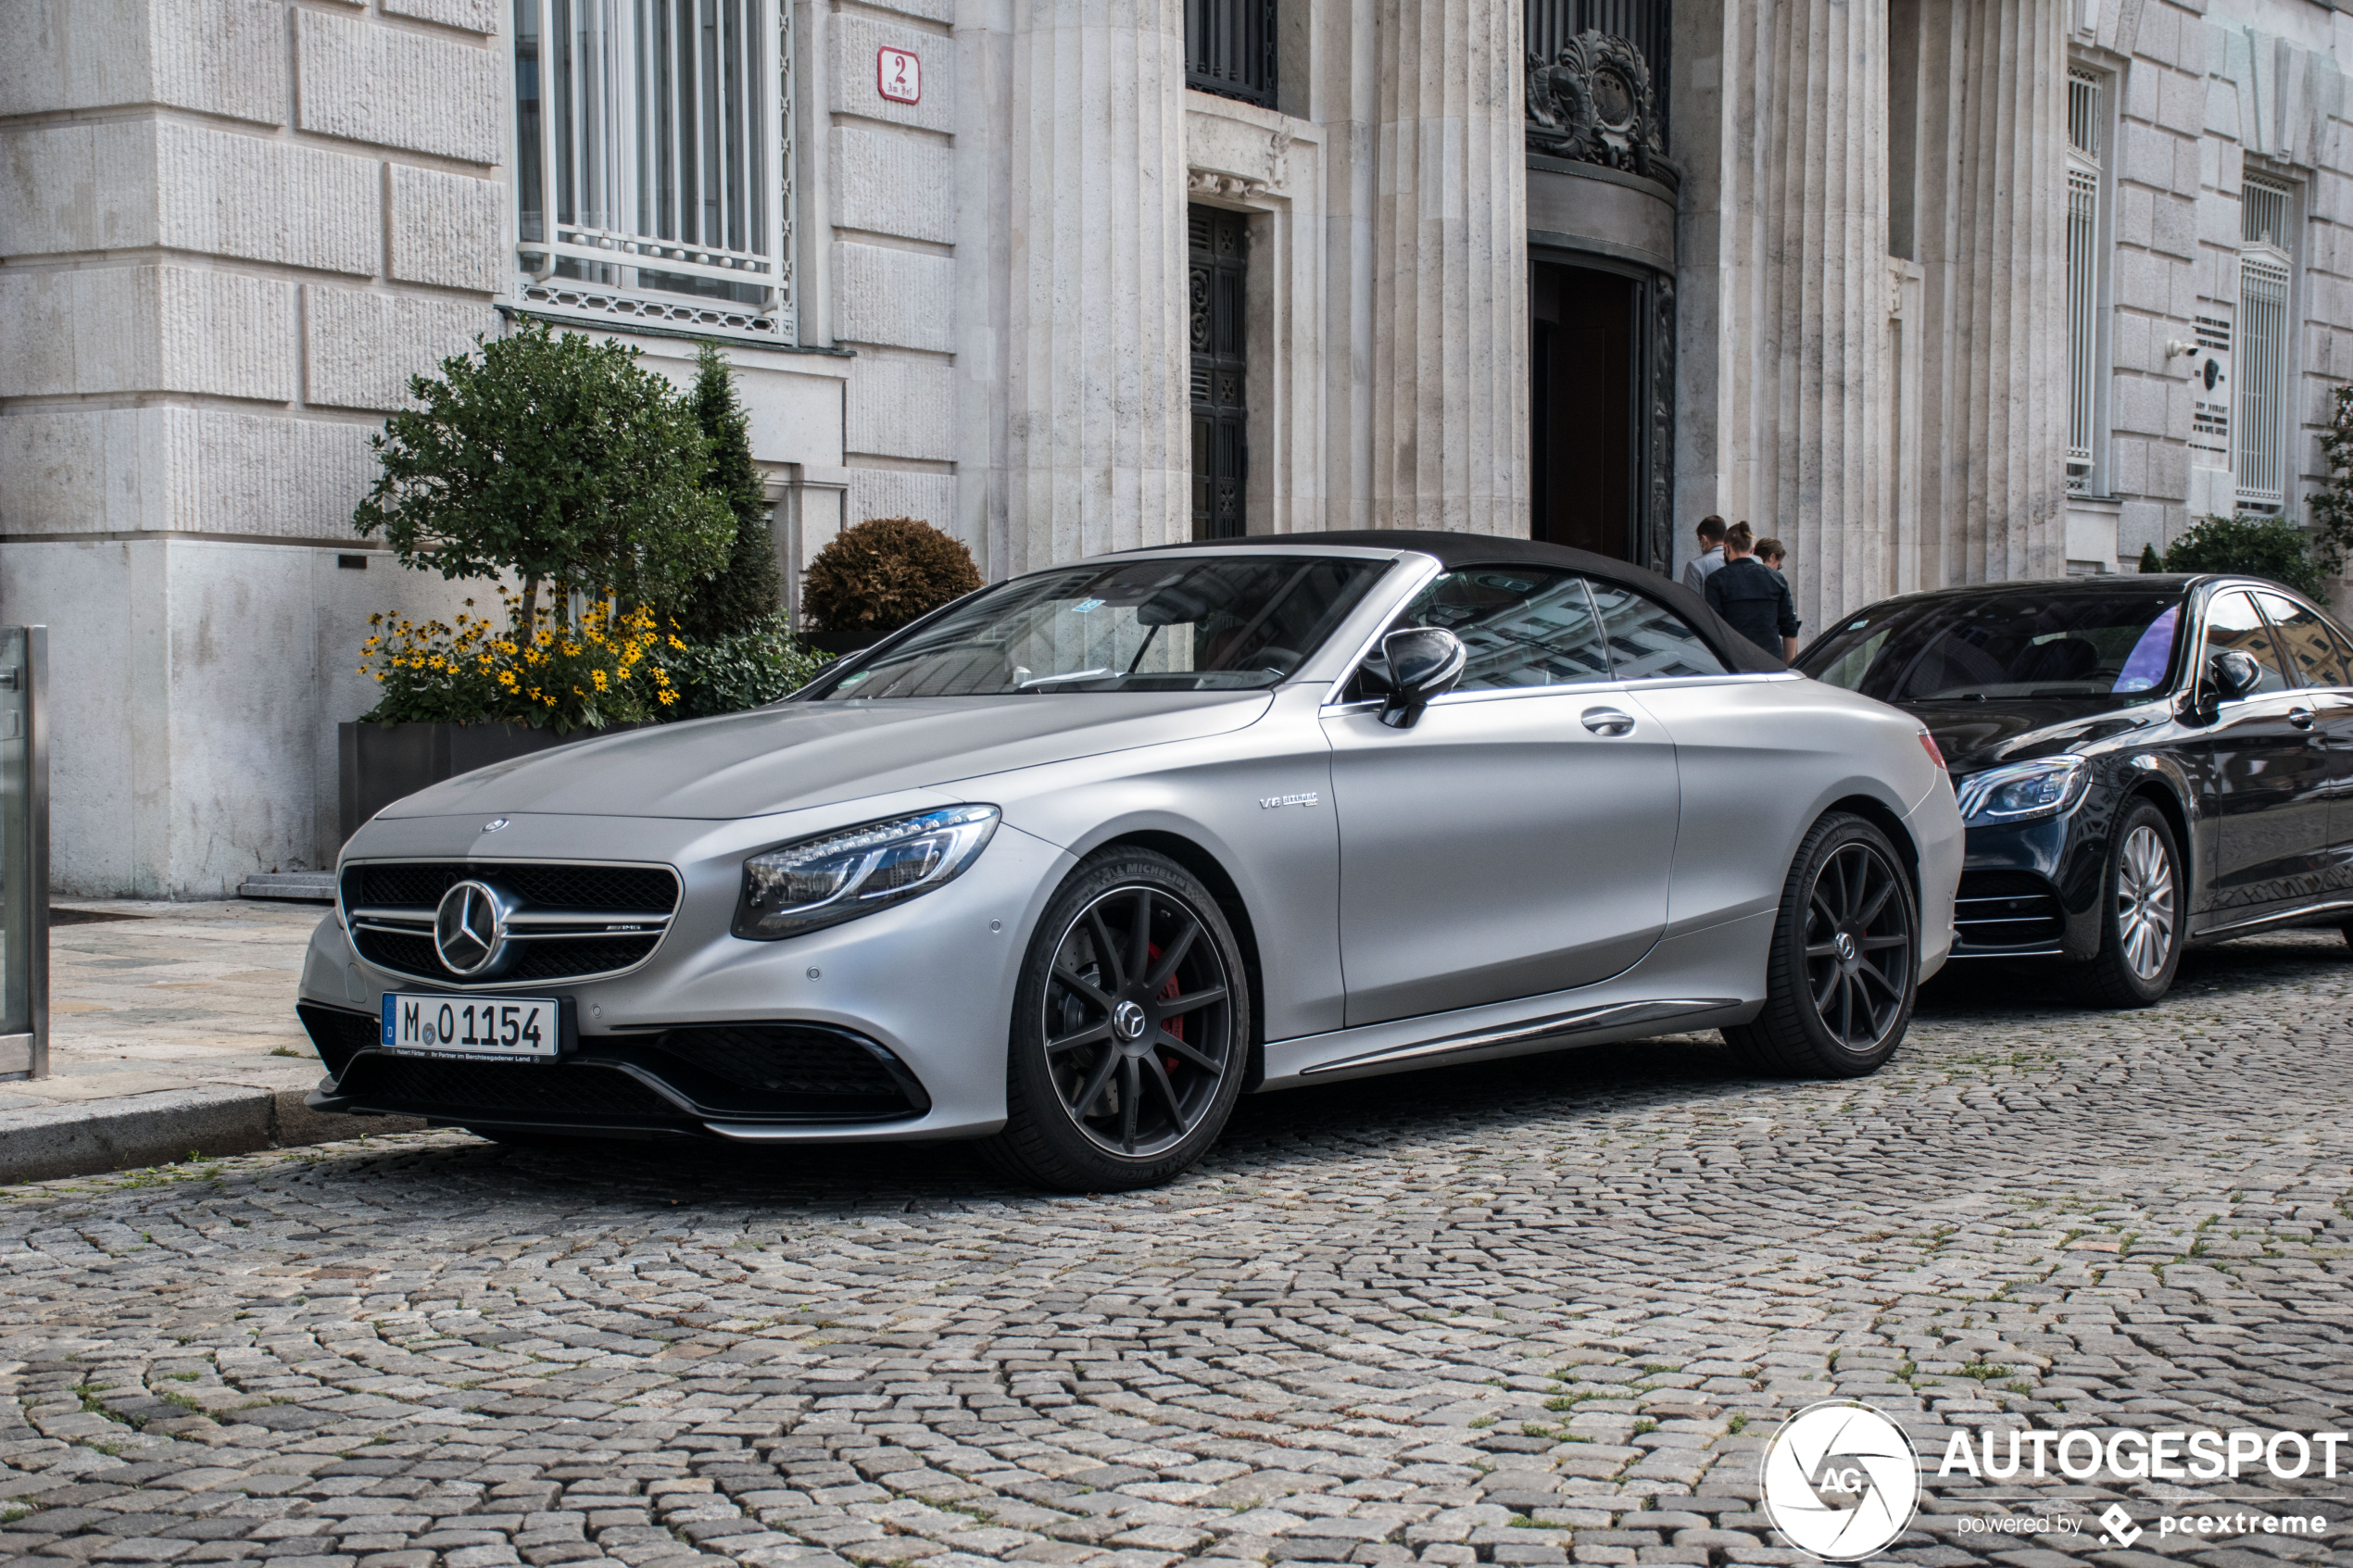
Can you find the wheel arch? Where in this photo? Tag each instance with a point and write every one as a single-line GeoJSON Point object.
{"type": "Point", "coordinates": [1198, 859]}
{"type": "Point", "coordinates": [1878, 813]}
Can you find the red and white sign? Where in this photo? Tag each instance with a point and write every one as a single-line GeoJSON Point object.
{"type": "Point", "coordinates": [898, 76]}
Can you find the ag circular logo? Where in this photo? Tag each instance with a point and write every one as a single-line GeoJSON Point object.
{"type": "Point", "coordinates": [1839, 1481]}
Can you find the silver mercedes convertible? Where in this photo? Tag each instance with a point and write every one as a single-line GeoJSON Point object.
{"type": "Point", "coordinates": [1075, 862]}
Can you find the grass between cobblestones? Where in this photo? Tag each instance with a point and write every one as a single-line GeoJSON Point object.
{"type": "Point", "coordinates": [1535, 1312]}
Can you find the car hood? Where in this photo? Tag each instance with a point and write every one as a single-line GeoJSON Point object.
{"type": "Point", "coordinates": [803, 754]}
{"type": "Point", "coordinates": [1976, 735]}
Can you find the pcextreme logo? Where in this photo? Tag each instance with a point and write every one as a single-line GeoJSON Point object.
{"type": "Point", "coordinates": [1839, 1481]}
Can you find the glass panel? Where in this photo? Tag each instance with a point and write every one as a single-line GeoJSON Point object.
{"type": "Point", "coordinates": [1522, 627]}
{"type": "Point", "coordinates": [2024, 642]}
{"type": "Point", "coordinates": [2262, 372]}
{"type": "Point", "coordinates": [530, 196]}
{"type": "Point", "coordinates": [1171, 624]}
{"type": "Point", "coordinates": [2303, 637]}
{"type": "Point", "coordinates": [1647, 641]}
{"type": "Point", "coordinates": [2231, 622]}
{"type": "Point", "coordinates": [16, 870]}
{"type": "Point", "coordinates": [2083, 309]}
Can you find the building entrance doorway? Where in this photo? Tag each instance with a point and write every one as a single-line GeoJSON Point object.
{"type": "Point", "coordinates": [1602, 406]}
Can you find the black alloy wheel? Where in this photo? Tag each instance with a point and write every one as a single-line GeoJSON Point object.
{"type": "Point", "coordinates": [1130, 1034]}
{"type": "Point", "coordinates": [2140, 915]}
{"type": "Point", "coordinates": [1843, 969]}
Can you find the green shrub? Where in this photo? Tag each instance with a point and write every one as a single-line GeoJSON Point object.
{"type": "Point", "coordinates": [2258, 547]}
{"type": "Point", "coordinates": [743, 668]}
{"type": "Point", "coordinates": [883, 573]}
{"type": "Point", "coordinates": [747, 590]}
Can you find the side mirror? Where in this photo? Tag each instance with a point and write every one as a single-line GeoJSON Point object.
{"type": "Point", "coordinates": [2235, 674]}
{"type": "Point", "coordinates": [1424, 662]}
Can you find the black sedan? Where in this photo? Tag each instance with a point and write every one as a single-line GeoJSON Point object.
{"type": "Point", "coordinates": [2143, 762]}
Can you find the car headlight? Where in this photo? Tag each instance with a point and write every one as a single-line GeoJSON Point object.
{"type": "Point", "coordinates": [852, 871]}
{"type": "Point", "coordinates": [2024, 791]}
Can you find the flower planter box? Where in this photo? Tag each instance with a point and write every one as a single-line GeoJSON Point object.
{"type": "Point", "coordinates": [379, 763]}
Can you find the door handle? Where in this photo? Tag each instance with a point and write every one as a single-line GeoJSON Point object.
{"type": "Point", "coordinates": [2300, 717]}
{"type": "Point", "coordinates": [1607, 722]}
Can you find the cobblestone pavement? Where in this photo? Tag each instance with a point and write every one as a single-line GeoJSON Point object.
{"type": "Point", "coordinates": [1520, 1314]}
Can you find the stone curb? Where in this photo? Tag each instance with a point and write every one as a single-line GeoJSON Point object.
{"type": "Point", "coordinates": [153, 1129]}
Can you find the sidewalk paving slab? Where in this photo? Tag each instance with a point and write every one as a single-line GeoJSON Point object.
{"type": "Point", "coordinates": [171, 1029]}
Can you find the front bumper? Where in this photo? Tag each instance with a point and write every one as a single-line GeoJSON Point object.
{"type": "Point", "coordinates": [2032, 889]}
{"type": "Point", "coordinates": [888, 1027]}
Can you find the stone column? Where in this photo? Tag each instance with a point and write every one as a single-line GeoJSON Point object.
{"type": "Point", "coordinates": [1992, 231]}
{"type": "Point", "coordinates": [1448, 341]}
{"type": "Point", "coordinates": [1097, 410]}
{"type": "Point", "coordinates": [1802, 407]}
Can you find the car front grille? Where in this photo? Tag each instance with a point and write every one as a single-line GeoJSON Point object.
{"type": "Point", "coordinates": [2007, 909]}
{"type": "Point", "coordinates": [572, 921]}
{"type": "Point", "coordinates": [787, 1069]}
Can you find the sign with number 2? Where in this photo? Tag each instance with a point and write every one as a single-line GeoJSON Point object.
{"type": "Point", "coordinates": [898, 75]}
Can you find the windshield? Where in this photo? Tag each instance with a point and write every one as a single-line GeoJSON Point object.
{"type": "Point", "coordinates": [2021, 643]}
{"type": "Point", "coordinates": [1169, 624]}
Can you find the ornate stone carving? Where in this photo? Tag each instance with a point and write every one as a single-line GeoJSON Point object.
{"type": "Point", "coordinates": [1592, 103]}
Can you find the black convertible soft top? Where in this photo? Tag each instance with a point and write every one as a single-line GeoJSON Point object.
{"type": "Point", "coordinates": [1458, 550]}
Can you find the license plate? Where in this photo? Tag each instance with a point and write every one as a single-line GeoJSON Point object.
{"type": "Point", "coordinates": [476, 1026]}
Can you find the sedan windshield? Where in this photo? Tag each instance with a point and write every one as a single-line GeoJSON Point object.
{"type": "Point", "coordinates": [1173, 624]}
{"type": "Point", "coordinates": [2012, 644]}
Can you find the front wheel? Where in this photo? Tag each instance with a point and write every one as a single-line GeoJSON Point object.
{"type": "Point", "coordinates": [2140, 917]}
{"type": "Point", "coordinates": [1844, 965]}
{"type": "Point", "coordinates": [1130, 1030]}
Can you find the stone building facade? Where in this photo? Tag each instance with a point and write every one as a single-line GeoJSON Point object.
{"type": "Point", "coordinates": [1930, 288]}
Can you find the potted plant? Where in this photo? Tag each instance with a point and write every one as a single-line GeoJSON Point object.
{"type": "Point", "coordinates": [873, 579]}
{"type": "Point", "coordinates": [564, 465]}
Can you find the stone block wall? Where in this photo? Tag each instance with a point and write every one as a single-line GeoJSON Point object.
{"type": "Point", "coordinates": [233, 229]}
{"type": "Point", "coordinates": [2201, 100]}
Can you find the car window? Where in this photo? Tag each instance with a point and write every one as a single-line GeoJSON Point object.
{"type": "Point", "coordinates": [1151, 623]}
{"type": "Point", "coordinates": [1648, 640]}
{"type": "Point", "coordinates": [2304, 638]}
{"type": "Point", "coordinates": [2232, 623]}
{"type": "Point", "coordinates": [1521, 626]}
{"type": "Point", "coordinates": [2026, 641]}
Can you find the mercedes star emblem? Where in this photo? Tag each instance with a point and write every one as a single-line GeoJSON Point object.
{"type": "Point", "coordinates": [470, 928]}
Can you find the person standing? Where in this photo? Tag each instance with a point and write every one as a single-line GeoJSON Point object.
{"type": "Point", "coordinates": [1710, 558]}
{"type": "Point", "coordinates": [1753, 598]}
{"type": "Point", "coordinates": [1770, 555]}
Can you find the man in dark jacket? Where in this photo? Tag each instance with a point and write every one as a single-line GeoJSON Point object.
{"type": "Point", "coordinates": [1751, 597]}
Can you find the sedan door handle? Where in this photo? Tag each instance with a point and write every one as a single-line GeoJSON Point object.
{"type": "Point", "coordinates": [2300, 717]}
{"type": "Point", "coordinates": [1607, 722]}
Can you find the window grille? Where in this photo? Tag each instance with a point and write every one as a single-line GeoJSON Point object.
{"type": "Point", "coordinates": [653, 168]}
{"type": "Point", "coordinates": [2084, 110]}
{"type": "Point", "coordinates": [2265, 288]}
{"type": "Point", "coordinates": [1230, 48]}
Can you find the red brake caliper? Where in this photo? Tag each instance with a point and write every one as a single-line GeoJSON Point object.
{"type": "Point", "coordinates": [1167, 993]}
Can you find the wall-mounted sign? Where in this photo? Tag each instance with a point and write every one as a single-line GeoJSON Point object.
{"type": "Point", "coordinates": [2210, 391]}
{"type": "Point", "coordinates": [898, 75]}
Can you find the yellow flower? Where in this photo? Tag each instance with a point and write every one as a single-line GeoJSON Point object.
{"type": "Point", "coordinates": [667, 697]}
{"type": "Point", "coordinates": [599, 677]}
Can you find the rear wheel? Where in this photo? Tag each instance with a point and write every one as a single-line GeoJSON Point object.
{"type": "Point", "coordinates": [1130, 1030]}
{"type": "Point", "coordinates": [2140, 914]}
{"type": "Point", "coordinates": [1845, 965]}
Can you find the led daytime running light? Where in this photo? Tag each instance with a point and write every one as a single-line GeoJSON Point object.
{"type": "Point", "coordinates": [837, 876]}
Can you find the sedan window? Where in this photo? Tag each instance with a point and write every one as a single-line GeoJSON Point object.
{"type": "Point", "coordinates": [2232, 623]}
{"type": "Point", "coordinates": [2303, 637]}
{"type": "Point", "coordinates": [1170, 623]}
{"type": "Point", "coordinates": [2054, 644]}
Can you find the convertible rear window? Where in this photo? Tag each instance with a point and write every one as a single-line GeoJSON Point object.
{"type": "Point", "coordinates": [2018, 643]}
{"type": "Point", "coordinates": [1165, 623]}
